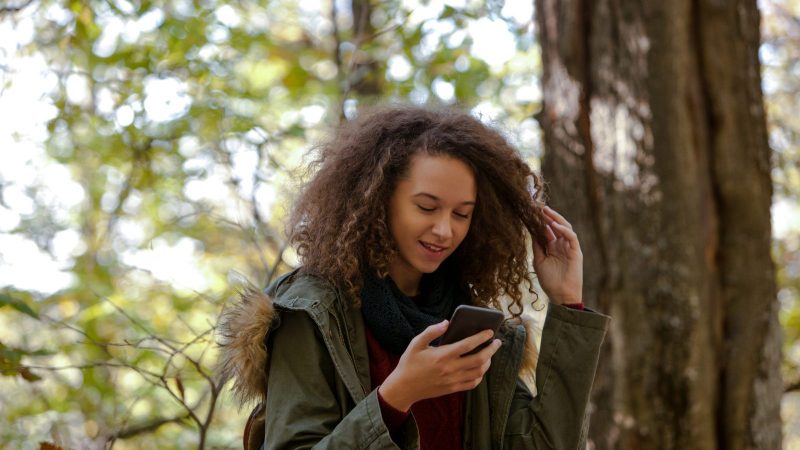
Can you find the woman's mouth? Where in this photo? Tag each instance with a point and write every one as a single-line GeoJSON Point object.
{"type": "Point", "coordinates": [431, 249]}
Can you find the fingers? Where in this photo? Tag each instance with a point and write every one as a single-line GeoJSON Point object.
{"type": "Point", "coordinates": [556, 217]}
{"type": "Point", "coordinates": [472, 379]}
{"type": "Point", "coordinates": [567, 233]}
{"type": "Point", "coordinates": [562, 230]}
{"type": "Point", "coordinates": [481, 358]}
{"type": "Point", "coordinates": [471, 376]}
{"type": "Point", "coordinates": [466, 345]}
{"type": "Point", "coordinates": [549, 234]}
{"type": "Point", "coordinates": [555, 229]}
{"type": "Point", "coordinates": [424, 339]}
{"type": "Point", "coordinates": [471, 384]}
{"type": "Point", "coordinates": [559, 227]}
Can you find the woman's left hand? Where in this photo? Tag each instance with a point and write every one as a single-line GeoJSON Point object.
{"type": "Point", "coordinates": [559, 268]}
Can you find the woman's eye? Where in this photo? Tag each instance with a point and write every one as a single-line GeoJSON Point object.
{"type": "Point", "coordinates": [425, 209]}
{"type": "Point", "coordinates": [463, 216]}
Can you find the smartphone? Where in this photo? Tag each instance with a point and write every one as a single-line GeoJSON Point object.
{"type": "Point", "coordinates": [469, 320]}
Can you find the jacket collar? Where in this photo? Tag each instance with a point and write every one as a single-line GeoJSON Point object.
{"type": "Point", "coordinates": [245, 324]}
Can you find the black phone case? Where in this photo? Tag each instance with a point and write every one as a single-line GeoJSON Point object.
{"type": "Point", "coordinates": [469, 320]}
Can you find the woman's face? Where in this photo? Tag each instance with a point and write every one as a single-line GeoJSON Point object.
{"type": "Point", "coordinates": [429, 215]}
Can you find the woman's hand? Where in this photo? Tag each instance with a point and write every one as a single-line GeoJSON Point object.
{"type": "Point", "coordinates": [428, 372]}
{"type": "Point", "coordinates": [559, 268]}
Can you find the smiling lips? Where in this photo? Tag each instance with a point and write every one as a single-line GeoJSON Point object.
{"type": "Point", "coordinates": [435, 249]}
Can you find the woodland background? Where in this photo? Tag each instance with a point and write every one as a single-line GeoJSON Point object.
{"type": "Point", "coordinates": [150, 150]}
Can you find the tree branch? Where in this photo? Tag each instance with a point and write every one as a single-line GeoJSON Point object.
{"type": "Point", "coordinates": [146, 427]}
{"type": "Point", "coordinates": [791, 386]}
{"type": "Point", "coordinates": [9, 9]}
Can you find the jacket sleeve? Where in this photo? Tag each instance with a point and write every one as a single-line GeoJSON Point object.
{"type": "Point", "coordinates": [308, 406]}
{"type": "Point", "coordinates": [556, 418]}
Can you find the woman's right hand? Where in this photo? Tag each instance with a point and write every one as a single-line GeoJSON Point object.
{"type": "Point", "coordinates": [427, 372]}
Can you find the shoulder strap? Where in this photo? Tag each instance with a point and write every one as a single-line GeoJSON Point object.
{"type": "Point", "coordinates": [253, 436]}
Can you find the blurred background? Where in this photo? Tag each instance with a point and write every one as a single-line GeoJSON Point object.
{"type": "Point", "coordinates": [150, 152]}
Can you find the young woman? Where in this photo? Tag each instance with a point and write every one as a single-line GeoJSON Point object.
{"type": "Point", "coordinates": [412, 212]}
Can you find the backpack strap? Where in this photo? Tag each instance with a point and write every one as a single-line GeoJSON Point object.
{"type": "Point", "coordinates": [253, 437]}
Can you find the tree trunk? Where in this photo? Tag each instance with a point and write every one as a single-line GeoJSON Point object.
{"type": "Point", "coordinates": [656, 151]}
{"type": "Point", "coordinates": [360, 74]}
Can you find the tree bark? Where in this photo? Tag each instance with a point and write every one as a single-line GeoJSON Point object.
{"type": "Point", "coordinates": [657, 152]}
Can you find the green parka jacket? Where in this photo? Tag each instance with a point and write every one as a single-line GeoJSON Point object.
{"type": "Point", "coordinates": [299, 349]}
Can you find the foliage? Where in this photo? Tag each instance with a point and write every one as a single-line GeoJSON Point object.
{"type": "Point", "coordinates": [171, 148]}
{"type": "Point", "coordinates": [780, 56]}
{"type": "Point", "coordinates": [171, 145]}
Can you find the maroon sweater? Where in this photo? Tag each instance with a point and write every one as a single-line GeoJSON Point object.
{"type": "Point", "coordinates": [440, 420]}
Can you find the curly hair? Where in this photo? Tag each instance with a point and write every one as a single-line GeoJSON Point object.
{"type": "Point", "coordinates": [339, 224]}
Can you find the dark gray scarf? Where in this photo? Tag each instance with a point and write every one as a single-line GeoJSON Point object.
{"type": "Point", "coordinates": [394, 319]}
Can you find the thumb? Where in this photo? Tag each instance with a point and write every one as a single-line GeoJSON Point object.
{"type": "Point", "coordinates": [423, 340]}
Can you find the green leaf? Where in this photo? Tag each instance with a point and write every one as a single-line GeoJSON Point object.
{"type": "Point", "coordinates": [11, 362]}
{"type": "Point", "coordinates": [449, 11]}
{"type": "Point", "coordinates": [19, 305]}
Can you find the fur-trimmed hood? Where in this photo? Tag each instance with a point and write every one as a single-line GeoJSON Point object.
{"type": "Point", "coordinates": [243, 329]}
{"type": "Point", "coordinates": [245, 324]}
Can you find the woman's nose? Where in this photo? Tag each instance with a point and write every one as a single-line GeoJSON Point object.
{"type": "Point", "coordinates": [442, 228]}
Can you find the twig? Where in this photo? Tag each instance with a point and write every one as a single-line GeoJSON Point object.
{"type": "Point", "coordinates": [146, 427]}
{"type": "Point", "coordinates": [8, 9]}
{"type": "Point", "coordinates": [791, 387]}
{"type": "Point", "coordinates": [159, 377]}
